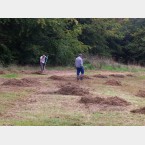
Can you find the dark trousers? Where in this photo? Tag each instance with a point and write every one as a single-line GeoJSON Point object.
{"type": "Point", "coordinates": [80, 70]}
{"type": "Point", "coordinates": [42, 65]}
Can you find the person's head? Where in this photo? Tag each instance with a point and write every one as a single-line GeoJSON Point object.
{"type": "Point", "coordinates": [80, 55]}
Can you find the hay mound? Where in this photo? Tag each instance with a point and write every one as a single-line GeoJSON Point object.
{"type": "Point", "coordinates": [140, 111]}
{"type": "Point", "coordinates": [114, 101]}
{"type": "Point", "coordinates": [2, 72]}
{"type": "Point", "coordinates": [86, 77]}
{"type": "Point", "coordinates": [72, 89]}
{"type": "Point", "coordinates": [100, 76]}
{"type": "Point", "coordinates": [37, 72]}
{"type": "Point", "coordinates": [117, 75]}
{"type": "Point", "coordinates": [20, 83]}
{"type": "Point", "coordinates": [129, 75]}
{"type": "Point", "coordinates": [15, 82]}
{"type": "Point", "coordinates": [57, 77]}
{"type": "Point", "coordinates": [141, 93]}
{"type": "Point", "coordinates": [113, 83]}
{"type": "Point", "coordinates": [30, 81]}
{"type": "Point", "coordinates": [86, 100]}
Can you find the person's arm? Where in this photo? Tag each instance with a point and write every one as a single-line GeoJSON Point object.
{"type": "Point", "coordinates": [81, 62]}
{"type": "Point", "coordinates": [46, 58]}
{"type": "Point", "coordinates": [40, 59]}
{"type": "Point", "coordinates": [75, 63]}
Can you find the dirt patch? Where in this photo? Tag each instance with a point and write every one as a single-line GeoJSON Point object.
{"type": "Point", "coordinates": [141, 93]}
{"type": "Point", "coordinates": [2, 72]}
{"type": "Point", "coordinates": [113, 83]}
{"type": "Point", "coordinates": [117, 75]}
{"type": "Point", "coordinates": [114, 101]}
{"type": "Point", "coordinates": [140, 111]}
{"type": "Point", "coordinates": [100, 76]}
{"type": "Point", "coordinates": [21, 83]}
{"type": "Point", "coordinates": [72, 89]}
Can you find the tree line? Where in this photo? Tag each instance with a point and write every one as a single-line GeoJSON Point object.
{"type": "Point", "coordinates": [24, 40]}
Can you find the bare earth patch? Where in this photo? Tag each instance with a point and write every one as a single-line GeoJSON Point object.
{"type": "Point", "coordinates": [113, 83]}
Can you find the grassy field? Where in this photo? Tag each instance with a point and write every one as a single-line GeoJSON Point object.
{"type": "Point", "coordinates": [34, 102]}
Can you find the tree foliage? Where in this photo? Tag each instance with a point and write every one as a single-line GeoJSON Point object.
{"type": "Point", "coordinates": [23, 40]}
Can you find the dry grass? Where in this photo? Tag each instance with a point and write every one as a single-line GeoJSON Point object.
{"type": "Point", "coordinates": [38, 105]}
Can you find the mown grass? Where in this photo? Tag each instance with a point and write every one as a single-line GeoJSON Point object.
{"type": "Point", "coordinates": [61, 110]}
{"type": "Point", "coordinates": [9, 76]}
{"type": "Point", "coordinates": [8, 98]}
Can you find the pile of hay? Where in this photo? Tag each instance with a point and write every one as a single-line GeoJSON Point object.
{"type": "Point", "coordinates": [25, 82]}
{"type": "Point", "coordinates": [140, 111]}
{"type": "Point", "coordinates": [113, 83]}
{"type": "Point", "coordinates": [117, 75]}
{"type": "Point", "coordinates": [72, 89]}
{"type": "Point", "coordinates": [114, 101]}
{"type": "Point", "coordinates": [100, 76]}
{"type": "Point", "coordinates": [141, 93]}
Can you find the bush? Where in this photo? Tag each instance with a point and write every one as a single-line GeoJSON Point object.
{"type": "Point", "coordinates": [5, 55]}
{"type": "Point", "coordinates": [88, 65]}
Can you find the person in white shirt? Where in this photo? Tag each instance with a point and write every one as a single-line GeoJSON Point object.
{"type": "Point", "coordinates": [79, 67]}
{"type": "Point", "coordinates": [42, 62]}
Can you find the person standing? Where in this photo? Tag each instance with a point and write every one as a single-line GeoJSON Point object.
{"type": "Point", "coordinates": [42, 62]}
{"type": "Point", "coordinates": [46, 59]}
{"type": "Point", "coordinates": [79, 67]}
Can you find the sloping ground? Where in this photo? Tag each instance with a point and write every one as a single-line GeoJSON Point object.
{"type": "Point", "coordinates": [115, 101]}
{"type": "Point", "coordinates": [25, 82]}
{"type": "Point", "coordinates": [72, 89]}
{"type": "Point", "coordinates": [113, 83]}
